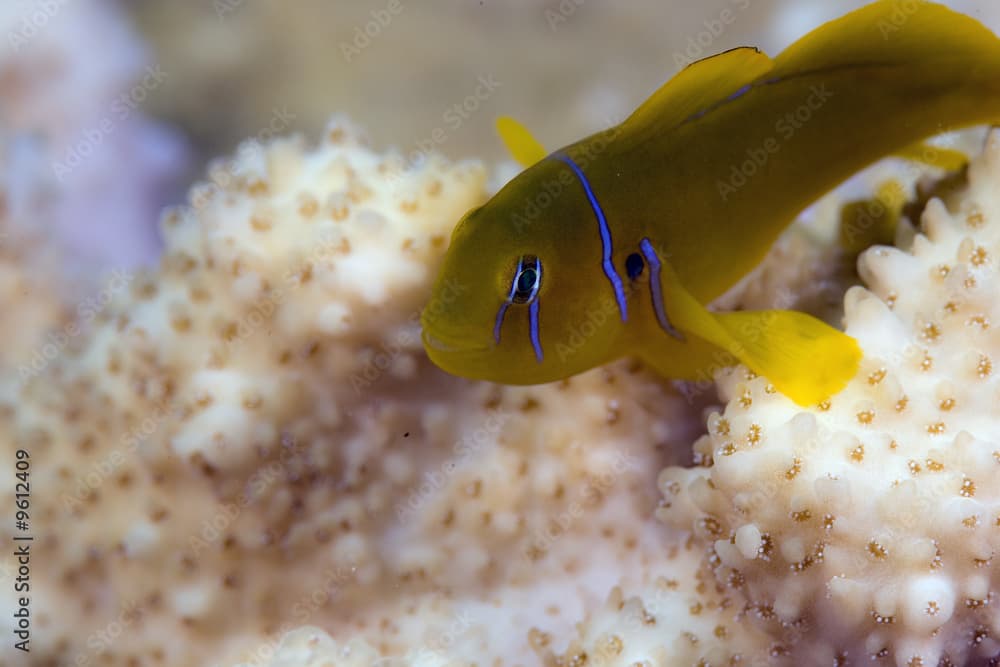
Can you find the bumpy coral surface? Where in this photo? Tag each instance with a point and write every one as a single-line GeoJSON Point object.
{"type": "Point", "coordinates": [867, 527]}
{"type": "Point", "coordinates": [245, 458]}
{"type": "Point", "coordinates": [250, 439]}
{"type": "Point", "coordinates": [683, 617]}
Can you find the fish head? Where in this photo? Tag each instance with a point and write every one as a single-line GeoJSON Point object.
{"type": "Point", "coordinates": [520, 298]}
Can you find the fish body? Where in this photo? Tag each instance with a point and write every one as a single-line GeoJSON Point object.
{"type": "Point", "coordinates": [613, 245]}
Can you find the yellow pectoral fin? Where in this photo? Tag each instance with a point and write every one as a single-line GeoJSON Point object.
{"type": "Point", "coordinates": [934, 156]}
{"type": "Point", "coordinates": [803, 357]}
{"type": "Point", "coordinates": [868, 222]}
{"type": "Point", "coordinates": [522, 146]}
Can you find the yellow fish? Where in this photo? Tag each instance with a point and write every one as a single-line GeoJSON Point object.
{"type": "Point", "coordinates": [613, 245]}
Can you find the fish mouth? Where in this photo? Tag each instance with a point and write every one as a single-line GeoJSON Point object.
{"type": "Point", "coordinates": [449, 346]}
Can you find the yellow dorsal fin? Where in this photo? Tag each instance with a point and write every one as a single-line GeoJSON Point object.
{"type": "Point", "coordinates": [803, 357]}
{"type": "Point", "coordinates": [934, 156]}
{"type": "Point", "coordinates": [886, 32]}
{"type": "Point", "coordinates": [520, 143]}
{"type": "Point", "coordinates": [700, 86]}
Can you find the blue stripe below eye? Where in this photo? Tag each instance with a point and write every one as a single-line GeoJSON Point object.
{"type": "Point", "coordinates": [499, 323]}
{"type": "Point", "coordinates": [656, 289]}
{"type": "Point", "coordinates": [602, 222]}
{"type": "Point", "coordinates": [533, 324]}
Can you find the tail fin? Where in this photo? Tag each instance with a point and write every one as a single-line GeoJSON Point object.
{"type": "Point", "coordinates": [892, 32]}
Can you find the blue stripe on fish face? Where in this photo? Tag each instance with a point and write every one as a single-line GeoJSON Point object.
{"type": "Point", "coordinates": [499, 323]}
{"type": "Point", "coordinates": [510, 299]}
{"type": "Point", "coordinates": [656, 290]}
{"type": "Point", "coordinates": [606, 243]}
{"type": "Point", "coordinates": [533, 329]}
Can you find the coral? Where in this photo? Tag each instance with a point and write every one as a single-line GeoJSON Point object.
{"type": "Point", "coordinates": [250, 439]}
{"type": "Point", "coordinates": [866, 526]}
{"type": "Point", "coordinates": [29, 297]}
{"type": "Point", "coordinates": [683, 618]}
{"type": "Point", "coordinates": [245, 457]}
{"type": "Point", "coordinates": [311, 647]}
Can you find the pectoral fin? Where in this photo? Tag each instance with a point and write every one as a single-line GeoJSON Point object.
{"type": "Point", "coordinates": [805, 359]}
{"type": "Point", "coordinates": [522, 146]}
{"type": "Point", "coordinates": [869, 222]}
{"type": "Point", "coordinates": [934, 156]}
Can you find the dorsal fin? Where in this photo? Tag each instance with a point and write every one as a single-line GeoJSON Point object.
{"type": "Point", "coordinates": [522, 146]}
{"type": "Point", "coordinates": [886, 32]}
{"type": "Point", "coordinates": [701, 86]}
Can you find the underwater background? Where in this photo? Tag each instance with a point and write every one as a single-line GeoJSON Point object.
{"type": "Point", "coordinates": [156, 390]}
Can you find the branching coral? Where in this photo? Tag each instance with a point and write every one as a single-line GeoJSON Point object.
{"type": "Point", "coordinates": [867, 526]}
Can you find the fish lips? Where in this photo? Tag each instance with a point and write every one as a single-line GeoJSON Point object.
{"type": "Point", "coordinates": [449, 346]}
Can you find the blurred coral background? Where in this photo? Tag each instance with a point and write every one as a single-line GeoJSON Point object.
{"type": "Point", "coordinates": [566, 67]}
{"type": "Point", "coordinates": [109, 111]}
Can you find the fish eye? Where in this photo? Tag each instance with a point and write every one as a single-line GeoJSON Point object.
{"type": "Point", "coordinates": [527, 280]}
{"type": "Point", "coordinates": [634, 265]}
